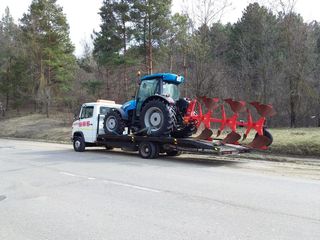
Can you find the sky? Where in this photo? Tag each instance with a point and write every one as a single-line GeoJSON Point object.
{"type": "Point", "coordinates": [83, 17]}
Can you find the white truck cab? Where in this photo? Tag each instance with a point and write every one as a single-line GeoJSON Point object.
{"type": "Point", "coordinates": [85, 129]}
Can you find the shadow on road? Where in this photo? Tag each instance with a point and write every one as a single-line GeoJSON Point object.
{"type": "Point", "coordinates": [129, 158]}
{"type": "Point", "coordinates": [199, 160]}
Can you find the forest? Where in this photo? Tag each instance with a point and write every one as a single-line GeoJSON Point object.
{"type": "Point", "coordinates": [268, 55]}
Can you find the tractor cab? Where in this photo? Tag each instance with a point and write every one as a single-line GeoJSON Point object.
{"type": "Point", "coordinates": [163, 85]}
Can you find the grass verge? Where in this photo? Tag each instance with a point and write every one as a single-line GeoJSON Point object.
{"type": "Point", "coordinates": [297, 141]}
{"type": "Point", "coordinates": [36, 126]}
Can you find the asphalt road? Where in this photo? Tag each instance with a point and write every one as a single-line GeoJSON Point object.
{"type": "Point", "coordinates": [48, 191]}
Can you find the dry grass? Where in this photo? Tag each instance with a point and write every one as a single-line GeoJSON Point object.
{"type": "Point", "coordinates": [291, 141]}
{"type": "Point", "coordinates": [36, 126]}
{"type": "Point", "coordinates": [300, 141]}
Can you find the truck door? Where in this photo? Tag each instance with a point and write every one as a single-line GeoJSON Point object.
{"type": "Point", "coordinates": [86, 124]}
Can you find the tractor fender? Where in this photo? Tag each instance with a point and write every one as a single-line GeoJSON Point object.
{"type": "Point", "coordinates": [124, 116]}
{"type": "Point", "coordinates": [167, 99]}
{"type": "Point", "coordinates": [126, 107]}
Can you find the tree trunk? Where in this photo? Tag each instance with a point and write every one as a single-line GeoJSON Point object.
{"type": "Point", "coordinates": [264, 82]}
{"type": "Point", "coordinates": [150, 60]}
{"type": "Point", "coordinates": [7, 101]}
{"type": "Point", "coordinates": [8, 86]}
{"type": "Point", "coordinates": [3, 111]}
{"type": "Point", "coordinates": [292, 105]}
{"type": "Point", "coordinates": [107, 82]}
{"type": "Point", "coordinates": [185, 73]}
{"type": "Point", "coordinates": [145, 44]}
{"type": "Point", "coordinates": [124, 58]}
{"type": "Point", "coordinates": [150, 64]}
{"type": "Point", "coordinates": [292, 114]}
{"type": "Point", "coordinates": [48, 90]}
{"type": "Point", "coordinates": [170, 62]}
{"type": "Point", "coordinates": [47, 108]}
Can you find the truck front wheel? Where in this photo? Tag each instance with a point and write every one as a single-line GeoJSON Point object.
{"type": "Point", "coordinates": [78, 144]}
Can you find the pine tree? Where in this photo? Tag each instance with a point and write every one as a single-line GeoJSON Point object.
{"type": "Point", "coordinates": [8, 55]}
{"type": "Point", "coordinates": [151, 24]}
{"type": "Point", "coordinates": [111, 43]}
{"type": "Point", "coordinates": [254, 50]}
{"type": "Point", "coordinates": [46, 31]}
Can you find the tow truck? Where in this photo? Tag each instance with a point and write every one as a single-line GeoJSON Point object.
{"type": "Point", "coordinates": [88, 131]}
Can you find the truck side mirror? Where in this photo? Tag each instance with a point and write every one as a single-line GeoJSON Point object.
{"type": "Point", "coordinates": [76, 117]}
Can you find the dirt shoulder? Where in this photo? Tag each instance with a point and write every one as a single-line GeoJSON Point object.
{"type": "Point", "coordinates": [36, 126]}
{"type": "Point", "coordinates": [308, 168]}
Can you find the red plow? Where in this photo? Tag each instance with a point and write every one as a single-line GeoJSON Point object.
{"type": "Point", "coordinates": [195, 114]}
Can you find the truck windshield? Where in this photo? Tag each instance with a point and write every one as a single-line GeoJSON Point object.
{"type": "Point", "coordinates": [171, 90]}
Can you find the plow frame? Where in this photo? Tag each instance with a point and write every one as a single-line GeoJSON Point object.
{"type": "Point", "coordinates": [196, 116]}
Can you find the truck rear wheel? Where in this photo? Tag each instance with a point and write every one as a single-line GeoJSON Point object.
{"type": "Point", "coordinates": [78, 144]}
{"type": "Point", "coordinates": [148, 150]}
{"type": "Point", "coordinates": [173, 153]}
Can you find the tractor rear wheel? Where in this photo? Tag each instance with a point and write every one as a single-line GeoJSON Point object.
{"type": "Point", "coordinates": [184, 132]}
{"type": "Point", "coordinates": [157, 117]}
{"type": "Point", "coordinates": [113, 123]}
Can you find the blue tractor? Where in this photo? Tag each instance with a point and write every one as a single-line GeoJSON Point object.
{"type": "Point", "coordinates": [157, 109]}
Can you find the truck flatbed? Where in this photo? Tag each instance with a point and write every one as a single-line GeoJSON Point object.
{"type": "Point", "coordinates": [168, 145]}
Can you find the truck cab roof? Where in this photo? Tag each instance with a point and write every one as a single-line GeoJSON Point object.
{"type": "Point", "coordinates": [106, 103]}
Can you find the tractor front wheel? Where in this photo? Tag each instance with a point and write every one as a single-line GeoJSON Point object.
{"type": "Point", "coordinates": [157, 117]}
{"type": "Point", "coordinates": [113, 123]}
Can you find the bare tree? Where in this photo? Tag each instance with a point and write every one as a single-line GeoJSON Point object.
{"type": "Point", "coordinates": [205, 12]}
{"type": "Point", "coordinates": [283, 6]}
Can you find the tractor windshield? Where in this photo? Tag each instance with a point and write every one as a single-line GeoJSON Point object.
{"type": "Point", "coordinates": [147, 88]}
{"type": "Point", "coordinates": [171, 90]}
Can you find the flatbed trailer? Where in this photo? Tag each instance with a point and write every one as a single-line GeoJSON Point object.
{"type": "Point", "coordinates": [151, 147]}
